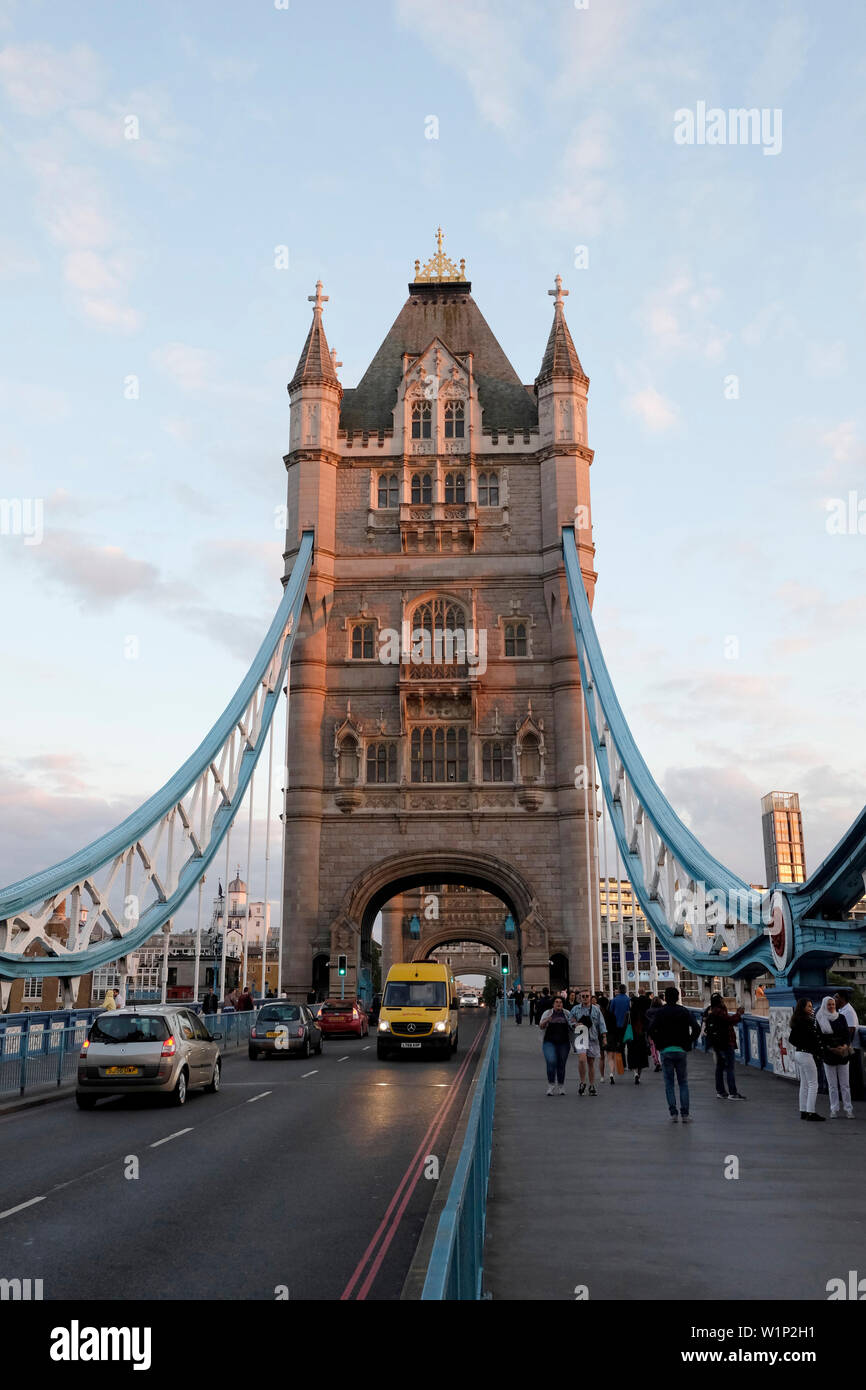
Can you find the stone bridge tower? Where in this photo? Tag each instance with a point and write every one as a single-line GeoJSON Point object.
{"type": "Point", "coordinates": [435, 721]}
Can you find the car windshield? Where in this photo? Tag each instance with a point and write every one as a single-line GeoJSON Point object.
{"type": "Point", "coordinates": [129, 1028]}
{"type": "Point", "coordinates": [282, 1013]}
{"type": "Point", "coordinates": [416, 994]}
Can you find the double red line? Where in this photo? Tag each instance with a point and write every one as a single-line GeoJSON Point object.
{"type": "Point", "coordinates": [390, 1222]}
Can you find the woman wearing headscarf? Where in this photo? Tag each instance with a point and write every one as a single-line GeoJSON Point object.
{"type": "Point", "coordinates": [835, 1051]}
{"type": "Point", "coordinates": [806, 1042]}
{"type": "Point", "coordinates": [637, 1047]}
{"type": "Point", "coordinates": [556, 1030]}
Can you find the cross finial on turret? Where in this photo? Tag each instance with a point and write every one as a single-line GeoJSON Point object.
{"type": "Point", "coordinates": [559, 292]}
{"type": "Point", "coordinates": [318, 298]}
{"type": "Point", "coordinates": [439, 240]}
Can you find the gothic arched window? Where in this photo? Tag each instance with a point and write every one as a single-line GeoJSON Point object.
{"type": "Point", "coordinates": [422, 420]}
{"type": "Point", "coordinates": [454, 420]}
{"type": "Point", "coordinates": [362, 642]}
{"type": "Point", "coordinates": [515, 639]}
{"type": "Point", "coordinates": [389, 490]}
{"type": "Point", "coordinates": [496, 761]}
{"type": "Point", "coordinates": [443, 625]}
{"type": "Point", "coordinates": [348, 760]}
{"type": "Point", "coordinates": [440, 754]}
{"type": "Point", "coordinates": [530, 759]}
{"type": "Point", "coordinates": [422, 488]}
{"type": "Point", "coordinates": [455, 487]}
{"type": "Point", "coordinates": [488, 489]}
{"type": "Point", "coordinates": [382, 762]}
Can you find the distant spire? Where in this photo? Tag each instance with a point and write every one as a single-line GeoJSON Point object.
{"type": "Point", "coordinates": [560, 356]}
{"type": "Point", "coordinates": [316, 363]}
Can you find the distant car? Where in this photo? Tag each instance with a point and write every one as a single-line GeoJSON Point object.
{"type": "Point", "coordinates": [160, 1048]}
{"type": "Point", "coordinates": [284, 1029]}
{"type": "Point", "coordinates": [343, 1016]}
{"type": "Point", "coordinates": [469, 1001]}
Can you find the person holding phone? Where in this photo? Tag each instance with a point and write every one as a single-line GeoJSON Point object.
{"type": "Point", "coordinates": [556, 1031]}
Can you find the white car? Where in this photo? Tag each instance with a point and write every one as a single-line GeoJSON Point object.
{"type": "Point", "coordinates": [469, 1001]}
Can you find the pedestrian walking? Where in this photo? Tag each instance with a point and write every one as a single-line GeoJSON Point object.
{"type": "Point", "coordinates": [806, 1043]}
{"type": "Point", "coordinates": [719, 1027]}
{"type": "Point", "coordinates": [245, 1001]}
{"type": "Point", "coordinates": [835, 1052]}
{"type": "Point", "coordinates": [590, 1036]}
{"type": "Point", "coordinates": [556, 1030]}
{"type": "Point", "coordinates": [209, 1003]}
{"type": "Point", "coordinates": [674, 1031]}
{"type": "Point", "coordinates": [655, 1005]}
{"type": "Point", "coordinates": [637, 1046]}
{"type": "Point", "coordinates": [519, 1001]}
{"type": "Point", "coordinates": [542, 1004]}
{"type": "Point", "coordinates": [533, 1000]}
{"type": "Point", "coordinates": [620, 1008]}
{"type": "Point", "coordinates": [601, 999]}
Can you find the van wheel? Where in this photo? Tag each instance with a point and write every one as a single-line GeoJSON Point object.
{"type": "Point", "coordinates": [178, 1095]}
{"type": "Point", "coordinates": [85, 1102]}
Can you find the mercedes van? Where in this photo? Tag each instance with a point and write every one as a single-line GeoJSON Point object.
{"type": "Point", "coordinates": [419, 1011]}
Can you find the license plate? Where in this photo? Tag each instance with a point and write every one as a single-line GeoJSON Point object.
{"type": "Point", "coordinates": [272, 1035]}
{"type": "Point", "coordinates": [122, 1071]}
{"type": "Point", "coordinates": [413, 1044]}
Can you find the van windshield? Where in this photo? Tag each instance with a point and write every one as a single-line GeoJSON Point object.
{"type": "Point", "coordinates": [415, 994]}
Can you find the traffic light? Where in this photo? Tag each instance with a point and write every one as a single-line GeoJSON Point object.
{"type": "Point", "coordinates": [503, 963]}
{"type": "Point", "coordinates": [341, 965]}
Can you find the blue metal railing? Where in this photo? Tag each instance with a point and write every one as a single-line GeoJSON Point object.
{"type": "Point", "coordinates": [457, 1258]}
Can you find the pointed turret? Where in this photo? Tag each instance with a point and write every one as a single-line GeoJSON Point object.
{"type": "Point", "coordinates": [316, 364]}
{"type": "Point", "coordinates": [560, 356]}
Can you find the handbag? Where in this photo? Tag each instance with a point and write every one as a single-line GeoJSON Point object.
{"type": "Point", "coordinates": [628, 1035]}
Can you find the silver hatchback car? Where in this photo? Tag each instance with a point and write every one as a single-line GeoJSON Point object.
{"type": "Point", "coordinates": [147, 1049]}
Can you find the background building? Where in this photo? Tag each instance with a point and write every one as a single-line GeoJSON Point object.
{"type": "Point", "coordinates": [782, 824]}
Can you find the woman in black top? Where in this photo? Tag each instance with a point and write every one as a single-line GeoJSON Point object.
{"type": "Point", "coordinates": [804, 1038]}
{"type": "Point", "coordinates": [556, 1030]}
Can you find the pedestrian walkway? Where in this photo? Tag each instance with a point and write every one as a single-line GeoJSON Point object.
{"type": "Point", "coordinates": [606, 1192]}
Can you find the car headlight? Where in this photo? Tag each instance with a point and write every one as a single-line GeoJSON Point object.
{"type": "Point", "coordinates": [440, 1027]}
{"type": "Point", "coordinates": [384, 1026]}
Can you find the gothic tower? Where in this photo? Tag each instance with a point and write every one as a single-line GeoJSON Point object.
{"type": "Point", "coordinates": [436, 720]}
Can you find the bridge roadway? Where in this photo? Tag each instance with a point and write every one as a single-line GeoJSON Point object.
{"type": "Point", "coordinates": [303, 1174]}
{"type": "Point", "coordinates": [605, 1192]}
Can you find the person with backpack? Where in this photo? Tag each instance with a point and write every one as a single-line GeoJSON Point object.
{"type": "Point", "coordinates": [674, 1031]}
{"type": "Point", "coordinates": [589, 1017]}
{"type": "Point", "coordinates": [620, 1008]}
{"type": "Point", "coordinates": [719, 1027]}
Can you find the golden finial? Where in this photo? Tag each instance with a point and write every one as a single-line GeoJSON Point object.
{"type": "Point", "coordinates": [440, 269]}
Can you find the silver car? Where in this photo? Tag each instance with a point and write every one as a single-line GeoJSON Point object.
{"type": "Point", "coordinates": [161, 1048]}
{"type": "Point", "coordinates": [283, 1029]}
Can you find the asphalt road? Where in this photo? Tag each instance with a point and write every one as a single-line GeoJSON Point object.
{"type": "Point", "coordinates": [303, 1174]}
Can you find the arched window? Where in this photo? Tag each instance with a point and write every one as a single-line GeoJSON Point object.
{"type": "Point", "coordinates": [422, 488]}
{"type": "Point", "coordinates": [455, 487]}
{"type": "Point", "coordinates": [421, 420]}
{"type": "Point", "coordinates": [454, 420]}
{"type": "Point", "coordinates": [440, 754]}
{"type": "Point", "coordinates": [530, 759]}
{"type": "Point", "coordinates": [496, 761]}
{"type": "Point", "coordinates": [444, 627]}
{"type": "Point", "coordinates": [389, 490]}
{"type": "Point", "coordinates": [515, 639]}
{"type": "Point", "coordinates": [348, 760]}
{"type": "Point", "coordinates": [362, 642]}
{"type": "Point", "coordinates": [382, 762]}
{"type": "Point", "coordinates": [488, 489]}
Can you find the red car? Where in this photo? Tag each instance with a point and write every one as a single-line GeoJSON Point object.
{"type": "Point", "coordinates": [343, 1016]}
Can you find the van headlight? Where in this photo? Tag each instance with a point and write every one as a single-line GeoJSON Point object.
{"type": "Point", "coordinates": [440, 1027]}
{"type": "Point", "coordinates": [384, 1026]}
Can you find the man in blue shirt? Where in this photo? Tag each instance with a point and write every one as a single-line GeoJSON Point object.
{"type": "Point", "coordinates": [620, 1007]}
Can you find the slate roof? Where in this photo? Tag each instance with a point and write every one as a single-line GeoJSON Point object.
{"type": "Point", "coordinates": [450, 313]}
{"type": "Point", "coordinates": [560, 356]}
{"type": "Point", "coordinates": [316, 363]}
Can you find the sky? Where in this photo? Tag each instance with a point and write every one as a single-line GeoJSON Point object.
{"type": "Point", "coordinates": [177, 177]}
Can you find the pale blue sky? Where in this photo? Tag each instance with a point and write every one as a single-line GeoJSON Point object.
{"type": "Point", "coordinates": [305, 127]}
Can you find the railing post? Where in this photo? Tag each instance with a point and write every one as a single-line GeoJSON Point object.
{"type": "Point", "coordinates": [61, 1052]}
{"type": "Point", "coordinates": [24, 1046]}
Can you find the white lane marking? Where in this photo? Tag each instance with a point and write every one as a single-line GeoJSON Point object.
{"type": "Point", "coordinates": [168, 1137]}
{"type": "Point", "coordinates": [21, 1206]}
{"type": "Point", "coordinates": [343, 1059]}
{"type": "Point", "coordinates": [314, 1072]}
{"type": "Point", "coordinates": [261, 1097]}
{"type": "Point", "coordinates": [366, 1049]}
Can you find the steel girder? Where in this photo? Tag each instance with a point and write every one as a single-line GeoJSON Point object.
{"type": "Point", "coordinates": [133, 879]}
{"type": "Point", "coordinates": [709, 920]}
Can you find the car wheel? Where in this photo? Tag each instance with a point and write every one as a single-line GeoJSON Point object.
{"type": "Point", "coordinates": [319, 1048]}
{"type": "Point", "coordinates": [85, 1102]}
{"type": "Point", "coordinates": [214, 1085]}
{"type": "Point", "coordinates": [253, 1054]}
{"type": "Point", "coordinates": [178, 1095]}
{"type": "Point", "coordinates": [307, 1049]}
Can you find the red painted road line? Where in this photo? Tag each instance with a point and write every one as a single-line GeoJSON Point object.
{"type": "Point", "coordinates": [421, 1152]}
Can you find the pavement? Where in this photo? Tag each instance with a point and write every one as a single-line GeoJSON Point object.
{"type": "Point", "coordinates": [301, 1178]}
{"type": "Point", "coordinates": [603, 1197]}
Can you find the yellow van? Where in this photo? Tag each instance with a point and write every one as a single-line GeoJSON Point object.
{"type": "Point", "coordinates": [419, 1011]}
